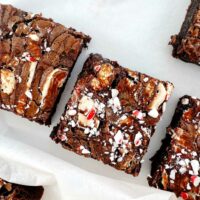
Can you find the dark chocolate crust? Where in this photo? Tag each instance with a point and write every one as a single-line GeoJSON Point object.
{"type": "Point", "coordinates": [186, 43]}
{"type": "Point", "coordinates": [175, 167]}
{"type": "Point", "coordinates": [37, 56]}
{"type": "Point", "coordinates": [112, 114]}
{"type": "Point", "coordinates": [10, 191]}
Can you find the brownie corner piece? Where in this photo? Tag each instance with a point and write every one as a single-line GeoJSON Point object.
{"type": "Point", "coordinates": [11, 191]}
{"type": "Point", "coordinates": [186, 43]}
{"type": "Point", "coordinates": [176, 166]}
{"type": "Point", "coordinates": [112, 114]}
{"type": "Point", "coordinates": [37, 56]}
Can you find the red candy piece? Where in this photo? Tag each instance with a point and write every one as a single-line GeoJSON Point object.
{"type": "Point", "coordinates": [32, 59]}
{"type": "Point", "coordinates": [138, 142]}
{"type": "Point", "coordinates": [193, 179]}
{"type": "Point", "coordinates": [184, 195]}
{"type": "Point", "coordinates": [91, 114]}
{"type": "Point", "coordinates": [97, 67]}
{"type": "Point", "coordinates": [137, 114]}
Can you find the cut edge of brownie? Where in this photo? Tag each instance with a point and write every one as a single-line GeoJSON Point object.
{"type": "Point", "coordinates": [158, 157]}
{"type": "Point", "coordinates": [157, 161]}
{"type": "Point", "coordinates": [177, 39]}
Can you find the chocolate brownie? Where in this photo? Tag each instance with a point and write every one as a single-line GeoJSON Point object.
{"type": "Point", "coordinates": [10, 191]}
{"type": "Point", "coordinates": [176, 166]}
{"type": "Point", "coordinates": [112, 114]}
{"type": "Point", "coordinates": [37, 56]}
{"type": "Point", "coordinates": [186, 43]}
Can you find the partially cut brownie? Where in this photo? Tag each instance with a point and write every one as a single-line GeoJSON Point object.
{"type": "Point", "coordinates": [186, 45]}
{"type": "Point", "coordinates": [37, 56]}
{"type": "Point", "coordinates": [11, 191]}
{"type": "Point", "coordinates": [112, 114]}
{"type": "Point", "coordinates": [176, 166]}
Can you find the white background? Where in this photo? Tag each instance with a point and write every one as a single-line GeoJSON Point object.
{"type": "Point", "coordinates": [133, 32]}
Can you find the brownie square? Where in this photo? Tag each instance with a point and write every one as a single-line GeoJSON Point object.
{"type": "Point", "coordinates": [186, 43]}
{"type": "Point", "coordinates": [11, 191]}
{"type": "Point", "coordinates": [176, 166]}
{"type": "Point", "coordinates": [112, 114]}
{"type": "Point", "coordinates": [37, 56]}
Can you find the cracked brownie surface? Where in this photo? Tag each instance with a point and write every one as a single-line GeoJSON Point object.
{"type": "Point", "coordinates": [176, 166]}
{"type": "Point", "coordinates": [112, 114]}
{"type": "Point", "coordinates": [11, 191]}
{"type": "Point", "coordinates": [36, 59]}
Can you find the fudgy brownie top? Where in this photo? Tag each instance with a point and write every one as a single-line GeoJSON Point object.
{"type": "Point", "coordinates": [187, 43]}
{"type": "Point", "coordinates": [9, 191]}
{"type": "Point", "coordinates": [112, 114]}
{"type": "Point", "coordinates": [36, 58]}
{"type": "Point", "coordinates": [176, 167]}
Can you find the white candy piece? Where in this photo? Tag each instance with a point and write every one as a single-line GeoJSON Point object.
{"type": "Point", "coordinates": [146, 79]}
{"type": "Point", "coordinates": [28, 94]}
{"type": "Point", "coordinates": [86, 103]}
{"type": "Point", "coordinates": [118, 137]}
{"type": "Point", "coordinates": [195, 166]}
{"type": "Point", "coordinates": [34, 37]}
{"type": "Point", "coordinates": [153, 113]}
{"type": "Point", "coordinates": [84, 150]}
{"type": "Point", "coordinates": [71, 112]}
{"type": "Point", "coordinates": [172, 174]}
{"type": "Point", "coordinates": [157, 101]}
{"type": "Point", "coordinates": [137, 140]}
{"type": "Point", "coordinates": [114, 93]}
{"type": "Point", "coordinates": [182, 170]}
{"type": "Point", "coordinates": [7, 81]}
{"type": "Point", "coordinates": [185, 101]}
{"type": "Point", "coordinates": [196, 181]}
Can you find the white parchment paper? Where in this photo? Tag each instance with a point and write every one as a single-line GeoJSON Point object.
{"type": "Point", "coordinates": [136, 34]}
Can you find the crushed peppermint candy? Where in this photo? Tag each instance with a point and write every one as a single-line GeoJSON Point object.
{"type": "Point", "coordinates": [72, 123]}
{"type": "Point", "coordinates": [195, 166]}
{"type": "Point", "coordinates": [153, 113]}
{"type": "Point", "coordinates": [28, 94]}
{"type": "Point", "coordinates": [182, 170]}
{"type": "Point", "coordinates": [172, 174]}
{"type": "Point", "coordinates": [66, 129]}
{"type": "Point", "coordinates": [91, 114]}
{"type": "Point", "coordinates": [138, 139]}
{"type": "Point", "coordinates": [71, 112]}
{"type": "Point", "coordinates": [188, 186]}
{"type": "Point", "coordinates": [87, 130]}
{"type": "Point", "coordinates": [114, 102]}
{"type": "Point", "coordinates": [183, 151]}
{"type": "Point", "coordinates": [118, 137]}
{"type": "Point", "coordinates": [146, 79]}
{"type": "Point", "coordinates": [63, 138]}
{"type": "Point", "coordinates": [185, 101]}
{"type": "Point", "coordinates": [27, 57]}
{"type": "Point", "coordinates": [48, 49]}
{"type": "Point", "coordinates": [138, 114]}
{"type": "Point", "coordinates": [84, 150]}
{"type": "Point", "coordinates": [184, 195]}
{"type": "Point", "coordinates": [119, 159]}
{"type": "Point", "coordinates": [195, 180]}
{"type": "Point", "coordinates": [114, 93]}
{"type": "Point", "coordinates": [97, 68]}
